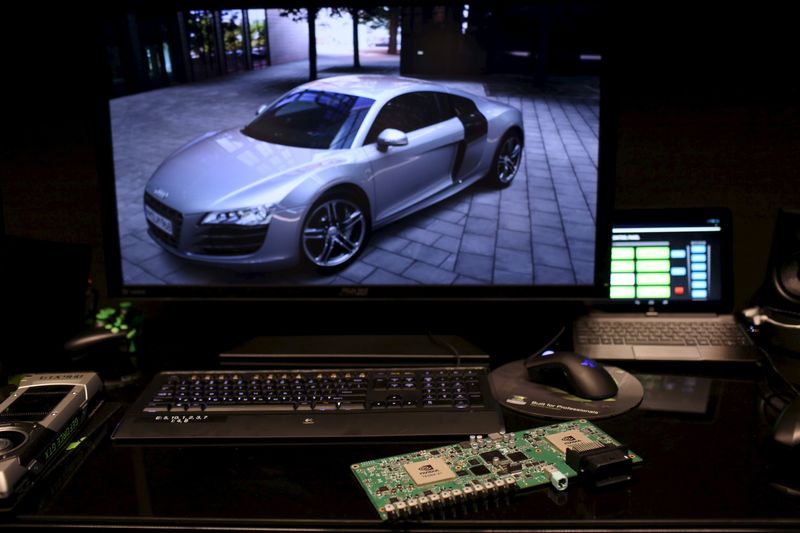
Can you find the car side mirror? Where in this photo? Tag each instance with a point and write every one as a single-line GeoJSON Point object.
{"type": "Point", "coordinates": [262, 109]}
{"type": "Point", "coordinates": [391, 137]}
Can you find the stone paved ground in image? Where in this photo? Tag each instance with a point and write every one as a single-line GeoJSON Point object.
{"type": "Point", "coordinates": [539, 230]}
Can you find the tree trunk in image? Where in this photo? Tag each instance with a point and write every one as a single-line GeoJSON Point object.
{"type": "Point", "coordinates": [356, 61]}
{"type": "Point", "coordinates": [312, 43]}
{"type": "Point", "coordinates": [393, 18]}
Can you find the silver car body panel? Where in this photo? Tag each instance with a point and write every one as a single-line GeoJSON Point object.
{"type": "Point", "coordinates": [406, 174]}
{"type": "Point", "coordinates": [228, 170]}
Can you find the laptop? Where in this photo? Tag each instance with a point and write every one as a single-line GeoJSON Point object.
{"type": "Point", "coordinates": [670, 291]}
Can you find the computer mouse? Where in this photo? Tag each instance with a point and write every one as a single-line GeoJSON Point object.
{"type": "Point", "coordinates": [577, 374]}
{"type": "Point", "coordinates": [787, 428]}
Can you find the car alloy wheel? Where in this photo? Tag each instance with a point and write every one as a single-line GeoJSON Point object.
{"type": "Point", "coordinates": [334, 232]}
{"type": "Point", "coordinates": [508, 159]}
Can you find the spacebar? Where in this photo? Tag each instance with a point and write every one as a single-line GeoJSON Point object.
{"type": "Point", "coordinates": [644, 342]}
{"type": "Point", "coordinates": [275, 408]}
{"type": "Point", "coordinates": [666, 353]}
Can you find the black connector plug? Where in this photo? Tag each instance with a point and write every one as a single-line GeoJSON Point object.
{"type": "Point", "coordinates": [606, 465]}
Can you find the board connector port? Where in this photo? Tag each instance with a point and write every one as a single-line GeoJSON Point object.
{"type": "Point", "coordinates": [603, 466]}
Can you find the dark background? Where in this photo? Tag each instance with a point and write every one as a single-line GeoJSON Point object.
{"type": "Point", "coordinates": [708, 116]}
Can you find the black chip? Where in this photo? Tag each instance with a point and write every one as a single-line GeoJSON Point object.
{"type": "Point", "coordinates": [514, 467]}
{"type": "Point", "coordinates": [383, 489]}
{"type": "Point", "coordinates": [427, 493]}
{"type": "Point", "coordinates": [462, 473]}
{"type": "Point", "coordinates": [393, 500]}
{"type": "Point", "coordinates": [434, 452]}
{"type": "Point", "coordinates": [517, 456]}
{"type": "Point", "coordinates": [479, 470]}
{"type": "Point", "coordinates": [488, 456]}
{"type": "Point", "coordinates": [474, 462]}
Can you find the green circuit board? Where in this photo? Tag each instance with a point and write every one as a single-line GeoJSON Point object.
{"type": "Point", "coordinates": [483, 466]}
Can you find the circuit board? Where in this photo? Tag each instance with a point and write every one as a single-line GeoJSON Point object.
{"type": "Point", "coordinates": [483, 466]}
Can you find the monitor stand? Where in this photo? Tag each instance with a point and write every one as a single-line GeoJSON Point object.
{"type": "Point", "coordinates": [349, 350]}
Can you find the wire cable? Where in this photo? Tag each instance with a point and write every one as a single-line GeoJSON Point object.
{"type": "Point", "coordinates": [435, 339]}
{"type": "Point", "coordinates": [551, 341]}
{"type": "Point", "coordinates": [777, 372]}
{"type": "Point", "coordinates": [758, 316]}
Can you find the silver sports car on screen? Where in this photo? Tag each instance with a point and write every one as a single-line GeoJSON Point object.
{"type": "Point", "coordinates": [325, 164]}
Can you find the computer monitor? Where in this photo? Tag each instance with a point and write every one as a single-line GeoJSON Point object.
{"type": "Point", "coordinates": [469, 155]}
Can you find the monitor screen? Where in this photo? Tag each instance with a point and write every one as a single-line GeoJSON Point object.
{"type": "Point", "coordinates": [662, 262]}
{"type": "Point", "coordinates": [458, 150]}
{"type": "Point", "coordinates": [671, 257]}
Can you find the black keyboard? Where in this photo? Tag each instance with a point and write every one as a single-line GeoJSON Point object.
{"type": "Point", "coordinates": [668, 333]}
{"type": "Point", "coordinates": [318, 403]}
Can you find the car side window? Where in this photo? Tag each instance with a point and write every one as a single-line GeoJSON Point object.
{"type": "Point", "coordinates": [463, 106]}
{"type": "Point", "coordinates": [407, 113]}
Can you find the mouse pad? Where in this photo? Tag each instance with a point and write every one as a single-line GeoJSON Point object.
{"type": "Point", "coordinates": [514, 391]}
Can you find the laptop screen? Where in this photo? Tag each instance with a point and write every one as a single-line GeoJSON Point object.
{"type": "Point", "coordinates": [679, 258]}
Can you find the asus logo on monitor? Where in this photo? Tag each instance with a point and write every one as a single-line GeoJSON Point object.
{"type": "Point", "coordinates": [354, 291]}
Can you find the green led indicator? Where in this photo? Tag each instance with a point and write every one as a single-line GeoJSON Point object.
{"type": "Point", "coordinates": [652, 252]}
{"type": "Point", "coordinates": [652, 266]}
{"type": "Point", "coordinates": [622, 266]}
{"type": "Point", "coordinates": [622, 292]}
{"type": "Point", "coordinates": [653, 292]}
{"type": "Point", "coordinates": [620, 252]}
{"type": "Point", "coordinates": [74, 444]}
{"type": "Point", "coordinates": [105, 313]}
{"type": "Point", "coordinates": [657, 278]}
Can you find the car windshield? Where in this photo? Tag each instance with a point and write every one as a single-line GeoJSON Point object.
{"type": "Point", "coordinates": [311, 119]}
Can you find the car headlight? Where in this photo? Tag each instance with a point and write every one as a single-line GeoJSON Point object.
{"type": "Point", "coordinates": [251, 216]}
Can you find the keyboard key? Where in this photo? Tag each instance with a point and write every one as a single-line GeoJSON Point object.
{"type": "Point", "coordinates": [351, 406]}
{"type": "Point", "coordinates": [250, 408]}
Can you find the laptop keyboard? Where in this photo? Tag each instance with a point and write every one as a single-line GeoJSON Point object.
{"type": "Point", "coordinates": [672, 333]}
{"type": "Point", "coordinates": [319, 403]}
